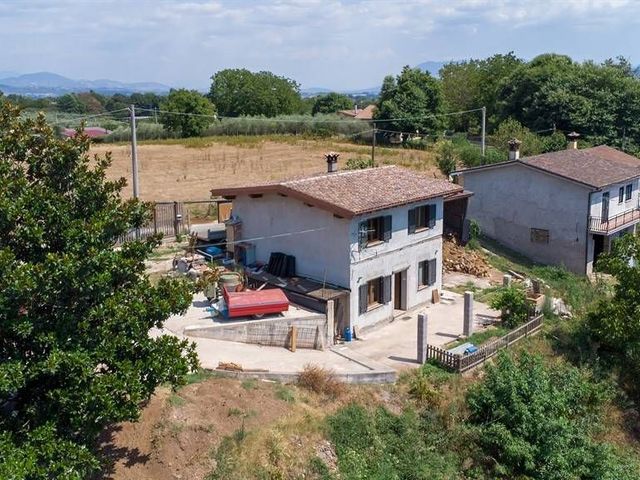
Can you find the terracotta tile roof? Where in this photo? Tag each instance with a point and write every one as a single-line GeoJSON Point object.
{"type": "Point", "coordinates": [365, 113]}
{"type": "Point", "coordinates": [594, 167]}
{"type": "Point", "coordinates": [355, 192]}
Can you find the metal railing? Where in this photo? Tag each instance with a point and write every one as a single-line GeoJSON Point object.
{"type": "Point", "coordinates": [461, 363]}
{"type": "Point", "coordinates": [610, 224]}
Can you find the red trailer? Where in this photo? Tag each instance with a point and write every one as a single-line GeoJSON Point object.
{"type": "Point", "coordinates": [255, 302]}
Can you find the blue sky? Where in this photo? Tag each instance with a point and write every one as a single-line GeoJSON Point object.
{"type": "Point", "coordinates": [336, 44]}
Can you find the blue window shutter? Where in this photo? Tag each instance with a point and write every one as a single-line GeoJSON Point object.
{"type": "Point", "coordinates": [432, 216]}
{"type": "Point", "coordinates": [412, 220]}
{"type": "Point", "coordinates": [432, 269]}
{"type": "Point", "coordinates": [363, 294]}
{"type": "Point", "coordinates": [386, 289]}
{"type": "Point", "coordinates": [387, 228]}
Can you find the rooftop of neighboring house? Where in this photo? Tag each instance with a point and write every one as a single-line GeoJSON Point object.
{"type": "Point", "coordinates": [365, 113]}
{"type": "Point", "coordinates": [354, 192]}
{"type": "Point", "coordinates": [594, 167]}
{"type": "Point", "coordinates": [91, 132]}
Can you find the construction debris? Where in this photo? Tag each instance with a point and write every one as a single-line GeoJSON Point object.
{"type": "Point", "coordinates": [234, 367]}
{"type": "Point", "coordinates": [459, 259]}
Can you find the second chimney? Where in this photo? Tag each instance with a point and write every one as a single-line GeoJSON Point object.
{"type": "Point", "coordinates": [514, 149]}
{"type": "Point", "coordinates": [573, 140]}
{"type": "Point", "coordinates": [332, 161]}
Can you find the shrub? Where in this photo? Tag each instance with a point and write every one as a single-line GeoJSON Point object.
{"type": "Point", "coordinates": [512, 301]}
{"type": "Point", "coordinates": [359, 163]}
{"type": "Point", "coordinates": [445, 157]}
{"type": "Point", "coordinates": [538, 421]}
{"type": "Point", "coordinates": [320, 380]}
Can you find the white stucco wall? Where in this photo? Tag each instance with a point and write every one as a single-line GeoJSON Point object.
{"type": "Point", "coordinates": [509, 201]}
{"type": "Point", "coordinates": [321, 255]}
{"type": "Point", "coordinates": [615, 207]}
{"type": "Point", "coordinates": [402, 252]}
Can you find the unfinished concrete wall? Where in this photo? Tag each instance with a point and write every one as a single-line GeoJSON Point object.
{"type": "Point", "coordinates": [312, 332]}
{"type": "Point", "coordinates": [322, 254]}
{"type": "Point", "coordinates": [402, 252]}
{"type": "Point", "coordinates": [509, 201]}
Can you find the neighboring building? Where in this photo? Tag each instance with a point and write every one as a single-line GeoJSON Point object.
{"type": "Point", "coordinates": [560, 208]}
{"type": "Point", "coordinates": [91, 132]}
{"type": "Point", "coordinates": [365, 113]}
{"type": "Point", "coordinates": [376, 232]}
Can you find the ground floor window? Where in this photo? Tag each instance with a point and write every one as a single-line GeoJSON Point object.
{"type": "Point", "coordinates": [427, 272]}
{"type": "Point", "coordinates": [374, 293]}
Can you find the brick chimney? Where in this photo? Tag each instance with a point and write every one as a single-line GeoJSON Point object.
{"type": "Point", "coordinates": [514, 149]}
{"type": "Point", "coordinates": [573, 140]}
{"type": "Point", "coordinates": [332, 161]}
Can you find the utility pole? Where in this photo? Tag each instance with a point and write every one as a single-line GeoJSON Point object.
{"type": "Point", "coordinates": [134, 151]}
{"type": "Point", "coordinates": [484, 129]}
{"type": "Point", "coordinates": [373, 146]}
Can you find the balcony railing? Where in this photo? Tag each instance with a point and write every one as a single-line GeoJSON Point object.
{"type": "Point", "coordinates": [617, 222]}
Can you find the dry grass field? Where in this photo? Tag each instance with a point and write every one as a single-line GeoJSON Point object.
{"type": "Point", "coordinates": [182, 170]}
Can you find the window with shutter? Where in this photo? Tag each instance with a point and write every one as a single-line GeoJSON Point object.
{"type": "Point", "coordinates": [412, 220]}
{"type": "Point", "coordinates": [363, 294]}
{"type": "Point", "coordinates": [386, 289]}
{"type": "Point", "coordinates": [431, 222]}
{"type": "Point", "coordinates": [387, 228]}
{"type": "Point", "coordinates": [628, 191]}
{"type": "Point", "coordinates": [621, 195]}
{"type": "Point", "coordinates": [433, 270]}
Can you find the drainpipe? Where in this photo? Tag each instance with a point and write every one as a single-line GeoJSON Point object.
{"type": "Point", "coordinates": [586, 243]}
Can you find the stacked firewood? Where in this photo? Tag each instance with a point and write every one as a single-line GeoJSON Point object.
{"type": "Point", "coordinates": [456, 258]}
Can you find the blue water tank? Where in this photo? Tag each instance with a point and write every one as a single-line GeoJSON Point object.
{"type": "Point", "coordinates": [348, 336]}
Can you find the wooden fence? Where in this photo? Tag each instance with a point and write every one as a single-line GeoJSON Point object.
{"type": "Point", "coordinates": [462, 363]}
{"type": "Point", "coordinates": [167, 219]}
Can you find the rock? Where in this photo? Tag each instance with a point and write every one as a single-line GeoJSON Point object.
{"type": "Point", "coordinates": [193, 274]}
{"type": "Point", "coordinates": [560, 308]}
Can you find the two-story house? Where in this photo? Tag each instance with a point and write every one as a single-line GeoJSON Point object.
{"type": "Point", "coordinates": [561, 208]}
{"type": "Point", "coordinates": [376, 232]}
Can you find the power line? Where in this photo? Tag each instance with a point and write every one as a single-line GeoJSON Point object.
{"type": "Point", "coordinates": [266, 237]}
{"type": "Point", "coordinates": [87, 117]}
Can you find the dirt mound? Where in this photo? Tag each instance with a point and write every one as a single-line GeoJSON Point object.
{"type": "Point", "coordinates": [459, 259]}
{"type": "Point", "coordinates": [178, 432]}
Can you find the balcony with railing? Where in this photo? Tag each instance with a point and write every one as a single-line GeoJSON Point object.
{"type": "Point", "coordinates": [606, 226]}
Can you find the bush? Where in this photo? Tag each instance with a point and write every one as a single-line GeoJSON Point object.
{"type": "Point", "coordinates": [445, 157]}
{"type": "Point", "coordinates": [537, 421]}
{"type": "Point", "coordinates": [359, 163]}
{"type": "Point", "coordinates": [512, 301]}
{"type": "Point", "coordinates": [320, 380]}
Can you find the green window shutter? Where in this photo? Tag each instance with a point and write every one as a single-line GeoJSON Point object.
{"type": "Point", "coordinates": [387, 228]}
{"type": "Point", "coordinates": [412, 220]}
{"type": "Point", "coordinates": [431, 222]}
{"type": "Point", "coordinates": [432, 271]}
{"type": "Point", "coordinates": [386, 289]}
{"type": "Point", "coordinates": [363, 294]}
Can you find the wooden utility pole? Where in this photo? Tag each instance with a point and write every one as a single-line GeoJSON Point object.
{"type": "Point", "coordinates": [134, 151]}
{"type": "Point", "coordinates": [373, 146]}
{"type": "Point", "coordinates": [484, 129]}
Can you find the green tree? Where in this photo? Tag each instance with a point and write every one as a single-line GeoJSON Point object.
{"type": "Point", "coordinates": [473, 84]}
{"type": "Point", "coordinates": [70, 103]}
{"type": "Point", "coordinates": [615, 322]}
{"type": "Point", "coordinates": [187, 112]}
{"type": "Point", "coordinates": [76, 352]}
{"type": "Point", "coordinates": [237, 92]}
{"type": "Point", "coordinates": [413, 96]}
{"type": "Point", "coordinates": [538, 422]}
{"type": "Point", "coordinates": [445, 157]}
{"type": "Point", "coordinates": [531, 144]}
{"type": "Point", "coordinates": [331, 103]}
{"type": "Point", "coordinates": [512, 301]}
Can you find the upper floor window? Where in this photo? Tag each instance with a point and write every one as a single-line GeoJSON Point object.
{"type": "Point", "coordinates": [627, 193]}
{"type": "Point", "coordinates": [422, 218]}
{"type": "Point", "coordinates": [375, 230]}
{"type": "Point", "coordinates": [621, 195]}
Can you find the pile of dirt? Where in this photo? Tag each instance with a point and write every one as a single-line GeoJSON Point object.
{"type": "Point", "coordinates": [464, 260]}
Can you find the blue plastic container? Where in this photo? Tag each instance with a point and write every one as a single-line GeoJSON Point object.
{"type": "Point", "coordinates": [348, 336]}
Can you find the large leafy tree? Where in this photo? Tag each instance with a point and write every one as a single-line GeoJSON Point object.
{"type": "Point", "coordinates": [413, 97]}
{"type": "Point", "coordinates": [331, 103]}
{"type": "Point", "coordinates": [186, 112]}
{"type": "Point", "coordinates": [237, 92]}
{"type": "Point", "coordinates": [75, 312]}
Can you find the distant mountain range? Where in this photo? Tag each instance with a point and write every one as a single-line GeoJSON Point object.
{"type": "Point", "coordinates": [43, 84]}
